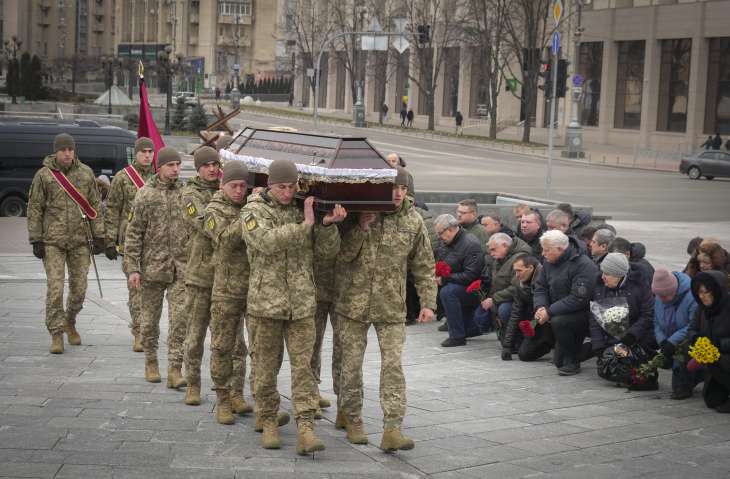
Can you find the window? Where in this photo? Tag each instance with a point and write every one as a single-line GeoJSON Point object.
{"type": "Point", "coordinates": [629, 85]}
{"type": "Point", "coordinates": [234, 8]}
{"type": "Point", "coordinates": [674, 85]}
{"type": "Point", "coordinates": [717, 107]}
{"type": "Point", "coordinates": [590, 67]}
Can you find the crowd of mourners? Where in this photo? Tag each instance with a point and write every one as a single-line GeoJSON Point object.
{"type": "Point", "coordinates": [567, 284]}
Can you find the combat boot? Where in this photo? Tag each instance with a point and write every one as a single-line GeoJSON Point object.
{"type": "Point", "coordinates": [174, 378]}
{"type": "Point", "coordinates": [324, 403]}
{"type": "Point", "coordinates": [74, 338]}
{"type": "Point", "coordinates": [394, 440]}
{"type": "Point", "coordinates": [192, 395]}
{"type": "Point", "coordinates": [340, 420]}
{"type": "Point", "coordinates": [57, 343]}
{"type": "Point", "coordinates": [270, 437]}
{"type": "Point", "coordinates": [307, 441]}
{"type": "Point", "coordinates": [238, 404]}
{"type": "Point", "coordinates": [151, 370]}
{"type": "Point", "coordinates": [137, 346]}
{"type": "Point", "coordinates": [356, 431]}
{"type": "Point", "coordinates": [282, 419]}
{"type": "Point", "coordinates": [223, 412]}
{"type": "Point", "coordinates": [318, 414]}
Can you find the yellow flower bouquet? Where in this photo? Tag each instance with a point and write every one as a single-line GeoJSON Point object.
{"type": "Point", "coordinates": [704, 352]}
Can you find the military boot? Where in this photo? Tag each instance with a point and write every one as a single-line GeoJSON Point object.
{"type": "Point", "coordinates": [318, 414]}
{"type": "Point", "coordinates": [356, 431]}
{"type": "Point", "coordinates": [74, 339]}
{"type": "Point", "coordinates": [137, 346]}
{"type": "Point", "coordinates": [174, 378]}
{"type": "Point", "coordinates": [151, 370]}
{"type": "Point", "coordinates": [238, 404]}
{"type": "Point", "coordinates": [324, 403]}
{"type": "Point", "coordinates": [307, 441]}
{"type": "Point", "coordinates": [394, 440]}
{"type": "Point", "coordinates": [270, 437]}
{"type": "Point", "coordinates": [223, 412]}
{"type": "Point", "coordinates": [192, 395]}
{"type": "Point", "coordinates": [340, 421]}
{"type": "Point", "coordinates": [282, 419]}
{"type": "Point", "coordinates": [57, 343]}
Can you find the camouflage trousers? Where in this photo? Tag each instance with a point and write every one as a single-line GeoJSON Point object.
{"type": "Point", "coordinates": [134, 303]}
{"type": "Point", "coordinates": [325, 310]}
{"type": "Point", "coordinates": [56, 261]}
{"type": "Point", "coordinates": [153, 293]}
{"type": "Point", "coordinates": [271, 335]}
{"type": "Point", "coordinates": [391, 337]}
{"type": "Point", "coordinates": [197, 307]}
{"type": "Point", "coordinates": [227, 346]}
{"type": "Point", "coordinates": [251, 330]}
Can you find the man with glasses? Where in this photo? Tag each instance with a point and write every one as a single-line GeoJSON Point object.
{"type": "Point", "coordinates": [468, 215]}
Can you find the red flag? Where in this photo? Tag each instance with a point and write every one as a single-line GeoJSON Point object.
{"type": "Point", "coordinates": [147, 125]}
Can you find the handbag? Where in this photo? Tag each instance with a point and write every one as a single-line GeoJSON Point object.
{"type": "Point", "coordinates": [620, 364]}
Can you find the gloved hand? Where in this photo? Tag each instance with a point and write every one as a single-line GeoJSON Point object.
{"type": "Point", "coordinates": [506, 355]}
{"type": "Point", "coordinates": [39, 249]}
{"type": "Point", "coordinates": [98, 247]}
{"type": "Point", "coordinates": [629, 339]}
{"type": "Point", "coordinates": [111, 252]}
{"type": "Point", "coordinates": [668, 349]}
{"type": "Point", "coordinates": [693, 365]}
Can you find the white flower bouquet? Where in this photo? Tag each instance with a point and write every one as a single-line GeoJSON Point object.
{"type": "Point", "coordinates": [612, 314]}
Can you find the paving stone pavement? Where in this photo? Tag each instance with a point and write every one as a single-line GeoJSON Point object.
{"type": "Point", "coordinates": [89, 413]}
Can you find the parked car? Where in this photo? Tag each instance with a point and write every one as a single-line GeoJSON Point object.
{"type": "Point", "coordinates": [708, 163]}
{"type": "Point", "coordinates": [24, 145]}
{"type": "Point", "coordinates": [188, 96]}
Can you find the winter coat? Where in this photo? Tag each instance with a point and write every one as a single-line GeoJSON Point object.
{"type": "Point", "coordinates": [281, 251]}
{"type": "Point", "coordinates": [196, 195]}
{"type": "Point", "coordinates": [464, 256]}
{"type": "Point", "coordinates": [534, 243]}
{"type": "Point", "coordinates": [641, 311]}
{"type": "Point", "coordinates": [645, 269]}
{"type": "Point", "coordinates": [671, 321]}
{"type": "Point", "coordinates": [479, 233]}
{"type": "Point", "coordinates": [522, 308]}
{"type": "Point", "coordinates": [53, 217]}
{"type": "Point", "coordinates": [566, 286]}
{"type": "Point", "coordinates": [501, 288]}
{"type": "Point", "coordinates": [119, 203]}
{"type": "Point", "coordinates": [581, 219]}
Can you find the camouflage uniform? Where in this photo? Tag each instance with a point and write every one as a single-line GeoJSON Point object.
{"type": "Point", "coordinates": [196, 194]}
{"type": "Point", "coordinates": [230, 288]}
{"type": "Point", "coordinates": [156, 248]}
{"type": "Point", "coordinates": [56, 220]}
{"type": "Point", "coordinates": [324, 279]}
{"type": "Point", "coordinates": [116, 218]}
{"type": "Point", "coordinates": [372, 288]}
{"type": "Point", "coordinates": [281, 298]}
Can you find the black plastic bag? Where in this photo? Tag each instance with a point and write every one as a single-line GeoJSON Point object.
{"type": "Point", "coordinates": [620, 364]}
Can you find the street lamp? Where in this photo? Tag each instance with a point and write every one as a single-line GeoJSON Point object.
{"type": "Point", "coordinates": [574, 132]}
{"type": "Point", "coordinates": [170, 66]}
{"type": "Point", "coordinates": [235, 93]}
{"type": "Point", "coordinates": [108, 63]}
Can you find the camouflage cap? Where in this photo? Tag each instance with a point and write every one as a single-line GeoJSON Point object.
{"type": "Point", "coordinates": [143, 143]}
{"type": "Point", "coordinates": [166, 155]}
{"type": "Point", "coordinates": [234, 170]}
{"type": "Point", "coordinates": [63, 140]}
{"type": "Point", "coordinates": [205, 155]}
{"type": "Point", "coordinates": [283, 171]}
{"type": "Point", "coordinates": [402, 179]}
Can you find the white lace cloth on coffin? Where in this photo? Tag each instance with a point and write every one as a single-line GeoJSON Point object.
{"type": "Point", "coordinates": [318, 173]}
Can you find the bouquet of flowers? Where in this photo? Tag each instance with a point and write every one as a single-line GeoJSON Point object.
{"type": "Point", "coordinates": [612, 314]}
{"type": "Point", "coordinates": [702, 352]}
{"type": "Point", "coordinates": [476, 287]}
{"type": "Point", "coordinates": [649, 369]}
{"type": "Point", "coordinates": [528, 328]}
{"type": "Point", "coordinates": [443, 270]}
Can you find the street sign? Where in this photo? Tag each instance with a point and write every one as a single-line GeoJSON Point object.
{"type": "Point", "coordinates": [557, 11]}
{"type": "Point", "coordinates": [555, 43]}
{"type": "Point", "coordinates": [401, 44]}
{"type": "Point", "coordinates": [577, 80]}
{"type": "Point", "coordinates": [374, 42]}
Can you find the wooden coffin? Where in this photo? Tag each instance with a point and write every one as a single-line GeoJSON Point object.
{"type": "Point", "coordinates": [336, 170]}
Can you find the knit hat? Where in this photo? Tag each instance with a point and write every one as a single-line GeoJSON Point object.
{"type": "Point", "coordinates": [166, 155]}
{"type": "Point", "coordinates": [615, 264]}
{"type": "Point", "coordinates": [402, 178]}
{"type": "Point", "coordinates": [143, 143]}
{"type": "Point", "coordinates": [664, 282]}
{"type": "Point", "coordinates": [283, 171]}
{"type": "Point", "coordinates": [63, 140]}
{"type": "Point", "coordinates": [234, 170]}
{"type": "Point", "coordinates": [205, 155]}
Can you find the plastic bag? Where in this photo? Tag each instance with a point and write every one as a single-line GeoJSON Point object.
{"type": "Point", "coordinates": [620, 364]}
{"type": "Point", "coordinates": [612, 314]}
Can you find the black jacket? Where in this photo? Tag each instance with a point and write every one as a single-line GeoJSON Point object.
{"type": "Point", "coordinates": [533, 243]}
{"type": "Point", "coordinates": [501, 287]}
{"type": "Point", "coordinates": [464, 255]}
{"type": "Point", "coordinates": [581, 219]}
{"type": "Point", "coordinates": [712, 321]}
{"type": "Point", "coordinates": [641, 311]}
{"type": "Point", "coordinates": [566, 286]}
{"type": "Point", "coordinates": [522, 309]}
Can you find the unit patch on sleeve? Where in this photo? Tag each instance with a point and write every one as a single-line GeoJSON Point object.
{"type": "Point", "coordinates": [191, 209]}
{"type": "Point", "coordinates": [250, 222]}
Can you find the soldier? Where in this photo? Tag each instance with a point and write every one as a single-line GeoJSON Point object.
{"type": "Point", "coordinates": [324, 279]}
{"type": "Point", "coordinates": [374, 259]}
{"type": "Point", "coordinates": [155, 259]}
{"type": "Point", "coordinates": [196, 194]}
{"type": "Point", "coordinates": [282, 243]}
{"type": "Point", "coordinates": [125, 185]}
{"type": "Point", "coordinates": [62, 216]}
{"type": "Point", "coordinates": [230, 287]}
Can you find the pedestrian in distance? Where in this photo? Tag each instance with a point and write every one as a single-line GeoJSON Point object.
{"type": "Point", "coordinates": [707, 145]}
{"type": "Point", "coordinates": [717, 142]}
{"type": "Point", "coordinates": [403, 116]}
{"type": "Point", "coordinates": [459, 119]}
{"type": "Point", "coordinates": [409, 115]}
{"type": "Point", "coordinates": [384, 111]}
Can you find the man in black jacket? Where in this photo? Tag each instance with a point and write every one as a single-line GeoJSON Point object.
{"type": "Point", "coordinates": [462, 252]}
{"type": "Point", "coordinates": [562, 295]}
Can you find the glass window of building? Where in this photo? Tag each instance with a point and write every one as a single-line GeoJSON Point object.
{"type": "Point", "coordinates": [717, 108]}
{"type": "Point", "coordinates": [629, 84]}
{"type": "Point", "coordinates": [674, 85]}
{"type": "Point", "coordinates": [590, 68]}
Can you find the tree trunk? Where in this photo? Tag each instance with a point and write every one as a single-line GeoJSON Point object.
{"type": "Point", "coordinates": [430, 110]}
{"type": "Point", "coordinates": [493, 125]}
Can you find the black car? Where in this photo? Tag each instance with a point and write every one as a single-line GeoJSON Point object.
{"type": "Point", "coordinates": [709, 163]}
{"type": "Point", "coordinates": [24, 145]}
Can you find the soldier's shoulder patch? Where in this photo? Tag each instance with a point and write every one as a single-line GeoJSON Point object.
{"type": "Point", "coordinates": [211, 223]}
{"type": "Point", "coordinates": [190, 208]}
{"type": "Point", "coordinates": [250, 221]}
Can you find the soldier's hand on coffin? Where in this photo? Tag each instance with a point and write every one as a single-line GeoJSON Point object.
{"type": "Point", "coordinates": [366, 219]}
{"type": "Point", "coordinates": [134, 281]}
{"type": "Point", "coordinates": [426, 316]}
{"type": "Point", "coordinates": [309, 211]}
{"type": "Point", "coordinates": [338, 215]}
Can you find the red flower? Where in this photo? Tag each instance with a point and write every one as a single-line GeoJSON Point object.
{"type": "Point", "coordinates": [475, 286]}
{"type": "Point", "coordinates": [443, 270]}
{"type": "Point", "coordinates": [637, 377]}
{"type": "Point", "coordinates": [527, 329]}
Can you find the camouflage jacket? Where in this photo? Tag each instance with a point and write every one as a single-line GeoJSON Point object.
{"type": "Point", "coordinates": [372, 267]}
{"type": "Point", "coordinates": [53, 217]}
{"type": "Point", "coordinates": [282, 251]}
{"type": "Point", "coordinates": [230, 260]}
{"type": "Point", "coordinates": [156, 239]}
{"type": "Point", "coordinates": [119, 203]}
{"type": "Point", "coordinates": [196, 195]}
{"type": "Point", "coordinates": [479, 232]}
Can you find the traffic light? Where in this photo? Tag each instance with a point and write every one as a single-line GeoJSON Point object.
{"type": "Point", "coordinates": [424, 33]}
{"type": "Point", "coordinates": [562, 78]}
{"type": "Point", "coordinates": [547, 74]}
